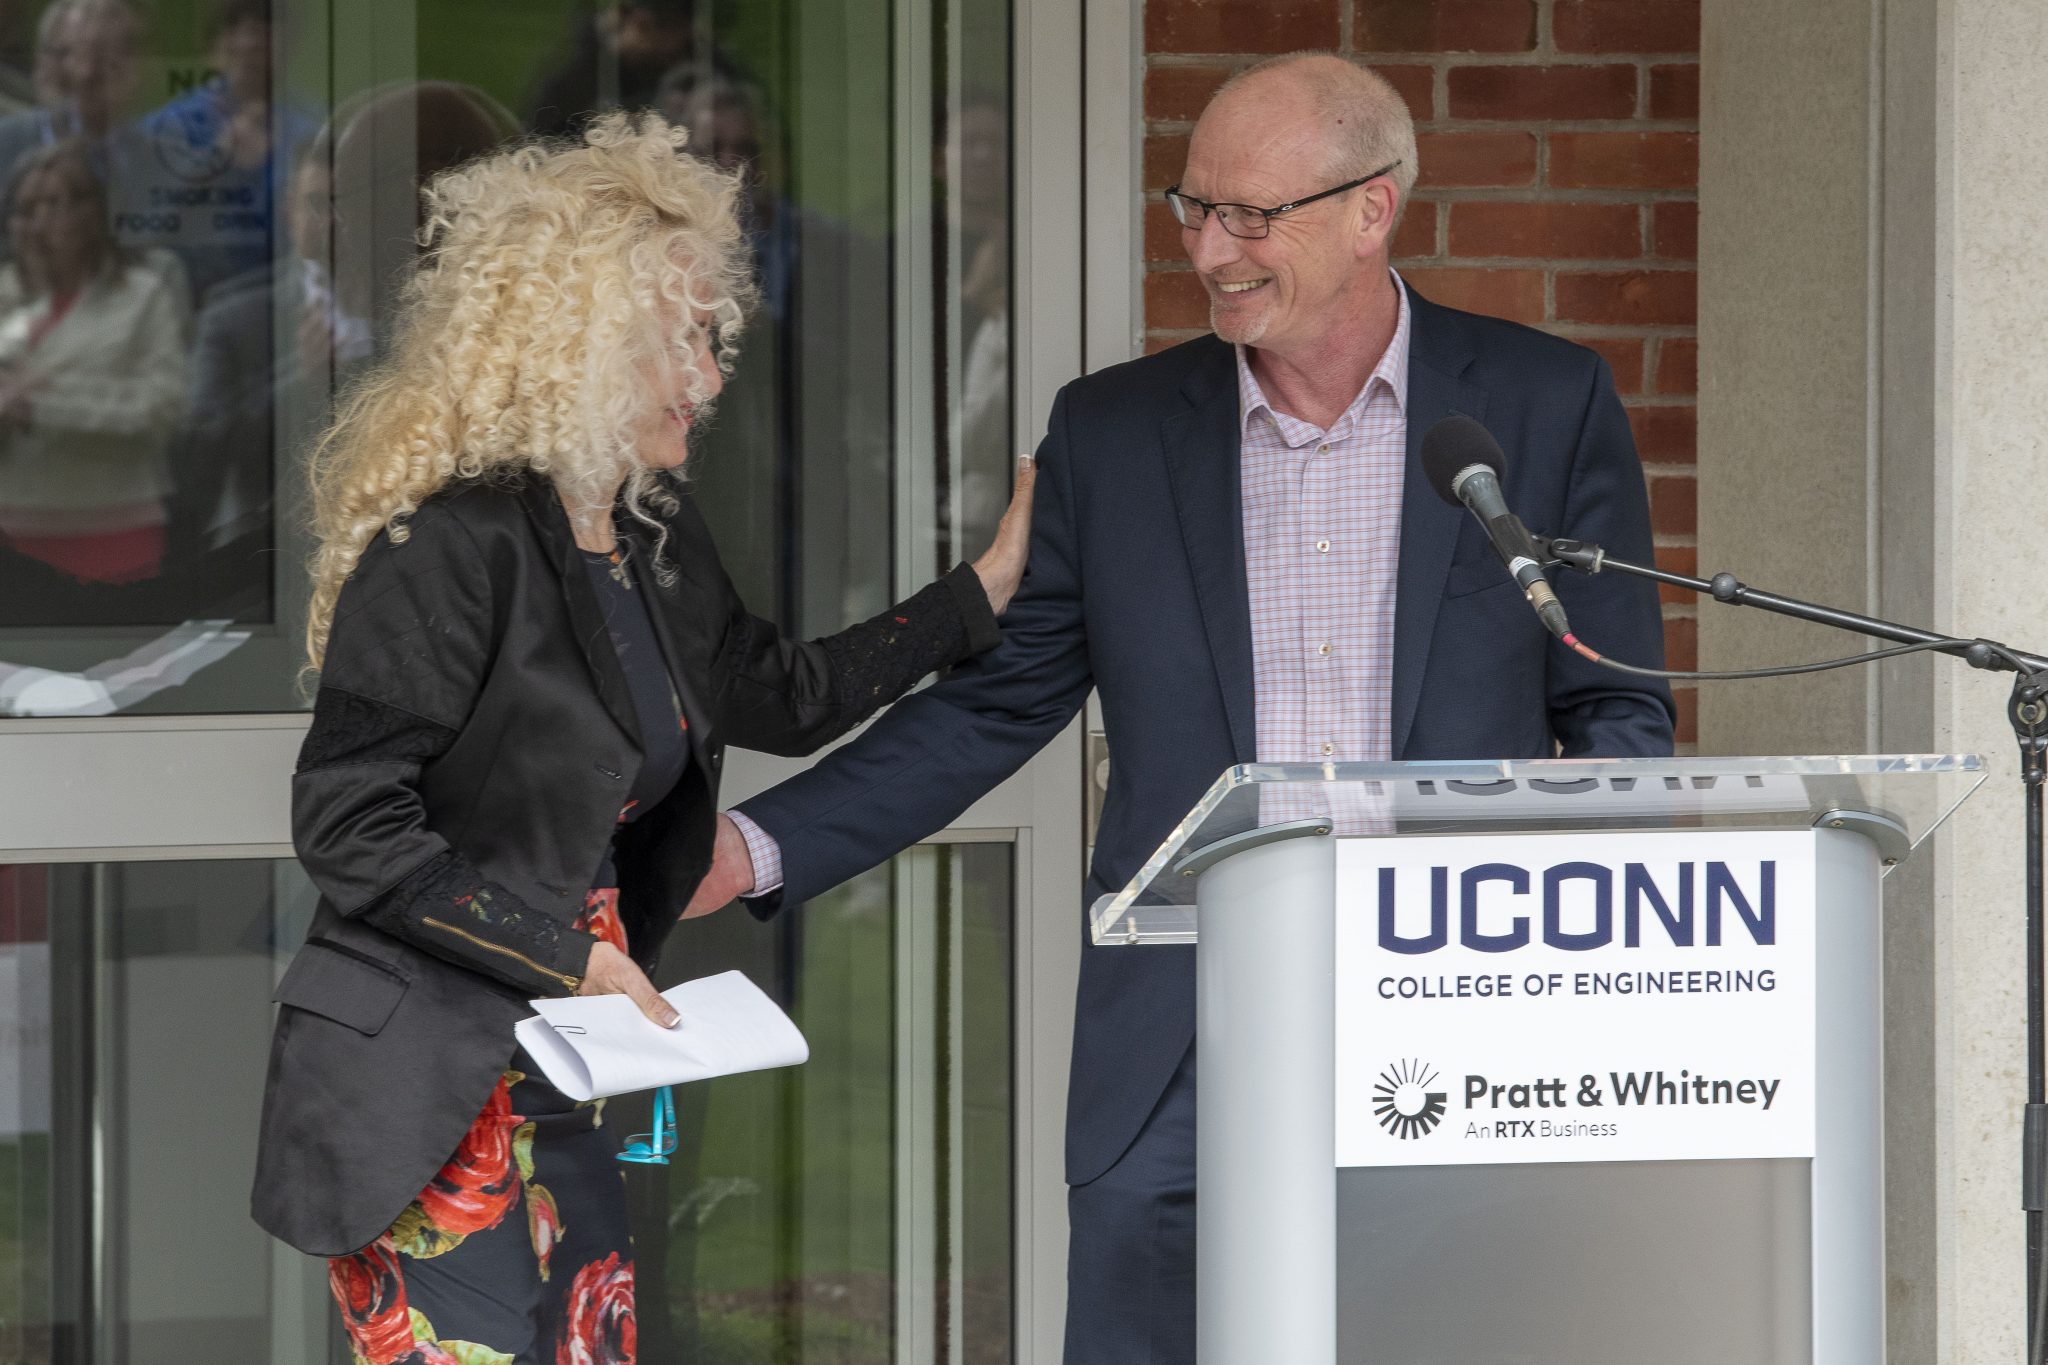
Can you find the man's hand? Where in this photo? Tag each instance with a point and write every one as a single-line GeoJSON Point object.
{"type": "Point", "coordinates": [731, 875]}
{"type": "Point", "coordinates": [611, 972]}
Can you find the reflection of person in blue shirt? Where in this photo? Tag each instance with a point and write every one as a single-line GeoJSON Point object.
{"type": "Point", "coordinates": [222, 153]}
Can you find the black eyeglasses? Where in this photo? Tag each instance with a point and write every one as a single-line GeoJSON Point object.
{"type": "Point", "coordinates": [1249, 220]}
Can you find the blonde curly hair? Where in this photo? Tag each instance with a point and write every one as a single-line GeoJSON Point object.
{"type": "Point", "coordinates": [555, 275]}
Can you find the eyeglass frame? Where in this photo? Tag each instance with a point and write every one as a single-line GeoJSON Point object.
{"type": "Point", "coordinates": [1266, 216]}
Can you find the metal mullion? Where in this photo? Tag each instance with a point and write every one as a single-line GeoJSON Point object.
{"type": "Point", "coordinates": [954, 1061]}
{"type": "Point", "coordinates": [916, 351]}
{"type": "Point", "coordinates": [916, 1059]}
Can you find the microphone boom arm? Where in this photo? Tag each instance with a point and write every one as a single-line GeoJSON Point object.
{"type": "Point", "coordinates": [1725, 588]}
{"type": "Point", "coordinates": [2028, 712]}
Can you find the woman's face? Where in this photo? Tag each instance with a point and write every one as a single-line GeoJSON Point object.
{"type": "Point", "coordinates": [57, 220]}
{"type": "Point", "coordinates": [664, 435]}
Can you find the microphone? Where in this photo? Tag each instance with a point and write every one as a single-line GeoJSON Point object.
{"type": "Point", "coordinates": [1464, 464]}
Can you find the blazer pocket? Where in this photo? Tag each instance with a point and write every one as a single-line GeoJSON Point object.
{"type": "Point", "coordinates": [331, 981]}
{"type": "Point", "coordinates": [1477, 575]}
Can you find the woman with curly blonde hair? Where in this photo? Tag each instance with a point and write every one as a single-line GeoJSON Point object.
{"type": "Point", "coordinates": [529, 664]}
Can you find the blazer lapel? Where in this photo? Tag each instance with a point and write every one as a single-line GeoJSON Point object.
{"type": "Point", "coordinates": [1437, 357]}
{"type": "Point", "coordinates": [661, 602]}
{"type": "Point", "coordinates": [1202, 448]}
{"type": "Point", "coordinates": [586, 617]}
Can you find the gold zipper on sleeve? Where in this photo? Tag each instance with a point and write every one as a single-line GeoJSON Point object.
{"type": "Point", "coordinates": [569, 983]}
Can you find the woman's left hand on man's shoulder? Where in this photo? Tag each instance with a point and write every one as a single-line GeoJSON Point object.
{"type": "Point", "coordinates": [1001, 566]}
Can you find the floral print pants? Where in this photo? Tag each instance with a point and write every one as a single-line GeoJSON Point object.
{"type": "Point", "coordinates": [518, 1252]}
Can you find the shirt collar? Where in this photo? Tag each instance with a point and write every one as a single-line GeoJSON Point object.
{"type": "Point", "coordinates": [1392, 371]}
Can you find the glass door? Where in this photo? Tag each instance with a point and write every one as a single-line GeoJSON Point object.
{"type": "Point", "coordinates": [246, 174]}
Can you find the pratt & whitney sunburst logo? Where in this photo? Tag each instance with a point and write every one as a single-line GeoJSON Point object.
{"type": "Point", "coordinates": [1405, 1104]}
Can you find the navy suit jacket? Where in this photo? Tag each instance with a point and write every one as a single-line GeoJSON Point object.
{"type": "Point", "coordinates": [1136, 587]}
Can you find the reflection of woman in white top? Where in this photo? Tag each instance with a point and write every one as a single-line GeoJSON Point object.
{"type": "Point", "coordinates": [92, 378]}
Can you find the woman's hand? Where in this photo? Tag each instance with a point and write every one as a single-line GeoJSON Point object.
{"type": "Point", "coordinates": [611, 972]}
{"type": "Point", "coordinates": [1001, 566]}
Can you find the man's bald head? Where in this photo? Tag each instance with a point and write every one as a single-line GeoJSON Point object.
{"type": "Point", "coordinates": [1359, 119]}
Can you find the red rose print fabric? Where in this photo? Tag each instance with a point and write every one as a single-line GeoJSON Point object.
{"type": "Point", "coordinates": [599, 1329]}
{"type": "Point", "coordinates": [518, 1248]}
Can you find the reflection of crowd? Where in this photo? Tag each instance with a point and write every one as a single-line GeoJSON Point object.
{"type": "Point", "coordinates": [265, 244]}
{"type": "Point", "coordinates": [161, 358]}
{"type": "Point", "coordinates": [116, 227]}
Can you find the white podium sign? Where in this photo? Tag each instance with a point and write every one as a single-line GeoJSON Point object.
{"type": "Point", "coordinates": [1575, 997]}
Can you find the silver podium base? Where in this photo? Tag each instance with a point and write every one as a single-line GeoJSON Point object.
{"type": "Point", "coordinates": [1682, 1263]}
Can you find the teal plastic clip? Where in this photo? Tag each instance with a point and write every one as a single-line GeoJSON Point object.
{"type": "Point", "coordinates": [653, 1149]}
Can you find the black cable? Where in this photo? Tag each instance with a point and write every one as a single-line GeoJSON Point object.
{"type": "Point", "coordinates": [1738, 674]}
{"type": "Point", "coordinates": [2037, 1351]}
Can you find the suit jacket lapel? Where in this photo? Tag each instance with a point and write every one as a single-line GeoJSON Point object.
{"type": "Point", "coordinates": [586, 616]}
{"type": "Point", "coordinates": [1437, 357]}
{"type": "Point", "coordinates": [1202, 448]}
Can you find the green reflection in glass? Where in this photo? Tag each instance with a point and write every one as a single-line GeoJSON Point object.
{"type": "Point", "coordinates": [842, 1210]}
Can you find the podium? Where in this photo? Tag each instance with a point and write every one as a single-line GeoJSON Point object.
{"type": "Point", "coordinates": [1540, 1062]}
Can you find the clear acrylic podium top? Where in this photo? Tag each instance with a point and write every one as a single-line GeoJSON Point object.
{"type": "Point", "coordinates": [1897, 798]}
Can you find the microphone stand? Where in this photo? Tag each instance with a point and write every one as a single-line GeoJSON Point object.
{"type": "Point", "coordinates": [2028, 712]}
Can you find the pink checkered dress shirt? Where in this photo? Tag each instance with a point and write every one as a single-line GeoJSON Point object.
{"type": "Point", "coordinates": [1322, 540]}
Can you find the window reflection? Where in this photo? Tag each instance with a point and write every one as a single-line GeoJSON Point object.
{"type": "Point", "coordinates": [238, 227]}
{"type": "Point", "coordinates": [855, 1210]}
{"type": "Point", "coordinates": [976, 163]}
{"type": "Point", "coordinates": [251, 220]}
{"type": "Point", "coordinates": [92, 377]}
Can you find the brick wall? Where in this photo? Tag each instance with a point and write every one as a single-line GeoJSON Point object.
{"type": "Point", "coordinates": [1559, 150]}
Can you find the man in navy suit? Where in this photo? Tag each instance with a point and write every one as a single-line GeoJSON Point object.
{"type": "Point", "coordinates": [1234, 543]}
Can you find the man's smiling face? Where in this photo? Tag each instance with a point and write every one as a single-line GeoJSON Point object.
{"type": "Point", "coordinates": [1261, 145]}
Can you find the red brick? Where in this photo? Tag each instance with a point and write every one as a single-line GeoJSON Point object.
{"type": "Point", "coordinates": [1683, 559]}
{"type": "Point", "coordinates": [1155, 342]}
{"type": "Point", "coordinates": [1628, 298]}
{"type": "Point", "coordinates": [1166, 156]}
{"type": "Point", "coordinates": [1681, 644]}
{"type": "Point", "coordinates": [1467, 159]}
{"type": "Point", "coordinates": [1675, 91]}
{"type": "Point", "coordinates": [1624, 356]}
{"type": "Point", "coordinates": [1675, 230]}
{"type": "Point", "coordinates": [1582, 232]}
{"type": "Point", "coordinates": [1542, 92]}
{"type": "Point", "coordinates": [1177, 94]}
{"type": "Point", "coordinates": [1626, 25]}
{"type": "Point", "coordinates": [1664, 433]}
{"type": "Point", "coordinates": [1162, 232]}
{"type": "Point", "coordinates": [1678, 365]}
{"type": "Point", "coordinates": [1674, 505]}
{"type": "Point", "coordinates": [1416, 85]}
{"type": "Point", "coordinates": [1688, 699]}
{"type": "Point", "coordinates": [1417, 234]}
{"type": "Point", "coordinates": [1441, 25]}
{"type": "Point", "coordinates": [1513, 294]}
{"type": "Point", "coordinates": [1235, 26]}
{"type": "Point", "coordinates": [1175, 298]}
{"type": "Point", "coordinates": [1625, 161]}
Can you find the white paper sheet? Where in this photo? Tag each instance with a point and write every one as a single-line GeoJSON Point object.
{"type": "Point", "coordinates": [600, 1045]}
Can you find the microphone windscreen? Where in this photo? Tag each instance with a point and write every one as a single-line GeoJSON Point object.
{"type": "Point", "coordinates": [1453, 446]}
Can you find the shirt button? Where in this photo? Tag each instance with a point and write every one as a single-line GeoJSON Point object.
{"type": "Point", "coordinates": [1329, 747]}
{"type": "Point", "coordinates": [1322, 547]}
{"type": "Point", "coordinates": [1323, 449]}
{"type": "Point", "coordinates": [1323, 648]}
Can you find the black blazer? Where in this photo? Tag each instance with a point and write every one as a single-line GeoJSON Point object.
{"type": "Point", "coordinates": [472, 743]}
